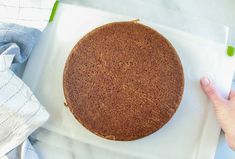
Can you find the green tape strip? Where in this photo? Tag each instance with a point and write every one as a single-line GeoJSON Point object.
{"type": "Point", "coordinates": [230, 51]}
{"type": "Point", "coordinates": [54, 10]}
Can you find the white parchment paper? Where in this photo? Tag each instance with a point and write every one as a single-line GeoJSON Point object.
{"type": "Point", "coordinates": [192, 132]}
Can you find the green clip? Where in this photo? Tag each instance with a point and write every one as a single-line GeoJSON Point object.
{"type": "Point", "coordinates": [54, 10]}
{"type": "Point", "coordinates": [230, 51]}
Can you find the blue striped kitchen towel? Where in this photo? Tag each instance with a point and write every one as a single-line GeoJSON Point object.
{"type": "Point", "coordinates": [20, 112]}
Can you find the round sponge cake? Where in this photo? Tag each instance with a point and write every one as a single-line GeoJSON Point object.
{"type": "Point", "coordinates": [123, 81]}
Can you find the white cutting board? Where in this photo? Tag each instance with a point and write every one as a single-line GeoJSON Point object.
{"type": "Point", "coordinates": [192, 133]}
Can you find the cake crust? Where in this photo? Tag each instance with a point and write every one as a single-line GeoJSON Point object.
{"type": "Point", "coordinates": [123, 81]}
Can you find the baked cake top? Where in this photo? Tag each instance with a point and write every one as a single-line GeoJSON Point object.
{"type": "Point", "coordinates": [123, 81]}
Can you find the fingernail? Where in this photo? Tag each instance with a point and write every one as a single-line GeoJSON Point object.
{"type": "Point", "coordinates": [205, 81]}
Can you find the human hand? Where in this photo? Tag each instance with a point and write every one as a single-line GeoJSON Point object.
{"type": "Point", "coordinates": [224, 109]}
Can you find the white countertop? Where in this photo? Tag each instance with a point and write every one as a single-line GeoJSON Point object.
{"type": "Point", "coordinates": [218, 11]}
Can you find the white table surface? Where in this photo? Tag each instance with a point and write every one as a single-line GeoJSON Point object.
{"type": "Point", "coordinates": [216, 10]}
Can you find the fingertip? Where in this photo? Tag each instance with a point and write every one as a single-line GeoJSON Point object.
{"type": "Point", "coordinates": [210, 90]}
{"type": "Point", "coordinates": [205, 81]}
{"type": "Point", "coordinates": [230, 141]}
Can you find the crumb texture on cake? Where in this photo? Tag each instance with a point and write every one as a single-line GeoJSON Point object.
{"type": "Point", "coordinates": [123, 81]}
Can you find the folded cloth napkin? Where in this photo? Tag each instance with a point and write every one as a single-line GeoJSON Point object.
{"type": "Point", "coordinates": [20, 111]}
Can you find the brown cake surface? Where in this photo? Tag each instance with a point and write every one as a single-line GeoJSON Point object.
{"type": "Point", "coordinates": [123, 81]}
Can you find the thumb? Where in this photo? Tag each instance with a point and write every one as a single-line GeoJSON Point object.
{"type": "Point", "coordinates": [210, 90]}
